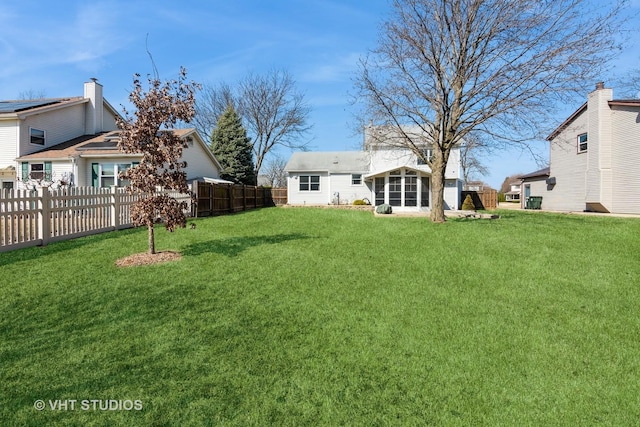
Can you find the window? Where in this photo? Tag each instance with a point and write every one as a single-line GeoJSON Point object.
{"type": "Point", "coordinates": [7, 185]}
{"type": "Point", "coordinates": [108, 174]}
{"type": "Point", "coordinates": [36, 136]}
{"type": "Point", "coordinates": [379, 190]}
{"type": "Point", "coordinates": [582, 143]}
{"type": "Point", "coordinates": [424, 191]}
{"type": "Point", "coordinates": [36, 171]}
{"type": "Point", "coordinates": [410, 189]}
{"type": "Point", "coordinates": [427, 153]}
{"type": "Point", "coordinates": [309, 182]}
{"type": "Point", "coordinates": [395, 188]}
{"type": "Point", "coordinates": [356, 179]}
{"type": "Point", "coordinates": [121, 168]}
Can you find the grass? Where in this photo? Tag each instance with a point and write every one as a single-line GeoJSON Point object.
{"type": "Point", "coordinates": [327, 317]}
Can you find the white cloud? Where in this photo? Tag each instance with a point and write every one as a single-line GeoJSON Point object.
{"type": "Point", "coordinates": [336, 69]}
{"type": "Point", "coordinates": [82, 37]}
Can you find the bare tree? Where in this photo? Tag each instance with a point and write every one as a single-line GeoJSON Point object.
{"type": "Point", "coordinates": [506, 184]}
{"type": "Point", "coordinates": [470, 158]}
{"type": "Point", "coordinates": [211, 103]}
{"type": "Point", "coordinates": [630, 84]}
{"type": "Point", "coordinates": [274, 172]}
{"type": "Point", "coordinates": [451, 67]}
{"type": "Point", "coordinates": [148, 131]}
{"type": "Point", "coordinates": [32, 94]}
{"type": "Point", "coordinates": [273, 111]}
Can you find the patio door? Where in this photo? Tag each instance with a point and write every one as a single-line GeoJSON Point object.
{"type": "Point", "coordinates": [410, 188]}
{"type": "Point", "coordinates": [424, 192]}
{"type": "Point", "coordinates": [378, 188]}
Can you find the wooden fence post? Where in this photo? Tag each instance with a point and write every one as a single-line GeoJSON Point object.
{"type": "Point", "coordinates": [244, 197]}
{"type": "Point", "coordinates": [231, 197]}
{"type": "Point", "coordinates": [115, 207]}
{"type": "Point", "coordinates": [44, 214]}
{"type": "Point", "coordinates": [194, 191]}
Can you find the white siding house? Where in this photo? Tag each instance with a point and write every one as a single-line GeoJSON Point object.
{"type": "Point", "coordinates": [379, 174]}
{"type": "Point", "coordinates": [73, 141]}
{"type": "Point", "coordinates": [95, 161]}
{"type": "Point", "coordinates": [595, 157]}
{"type": "Point", "coordinates": [323, 178]}
{"type": "Point", "coordinates": [513, 195]}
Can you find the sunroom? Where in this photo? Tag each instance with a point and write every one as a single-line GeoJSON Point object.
{"type": "Point", "coordinates": [405, 188]}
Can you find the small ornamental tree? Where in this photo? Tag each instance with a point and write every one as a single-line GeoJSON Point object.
{"type": "Point", "coordinates": [468, 205]}
{"type": "Point", "coordinates": [149, 132]}
{"type": "Point", "coordinates": [232, 148]}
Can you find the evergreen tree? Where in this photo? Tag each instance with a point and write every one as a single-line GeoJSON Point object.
{"type": "Point", "coordinates": [232, 147]}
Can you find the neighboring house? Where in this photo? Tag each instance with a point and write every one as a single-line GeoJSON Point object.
{"type": "Point", "coordinates": [73, 141]}
{"type": "Point", "coordinates": [474, 186]}
{"type": "Point", "coordinates": [534, 184]}
{"type": "Point", "coordinates": [513, 195]}
{"type": "Point", "coordinates": [7, 178]}
{"type": "Point", "coordinates": [96, 161]}
{"type": "Point", "coordinates": [379, 174]}
{"type": "Point", "coordinates": [595, 157]}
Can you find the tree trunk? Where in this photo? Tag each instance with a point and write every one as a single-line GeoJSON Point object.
{"type": "Point", "coordinates": [152, 241]}
{"type": "Point", "coordinates": [437, 193]}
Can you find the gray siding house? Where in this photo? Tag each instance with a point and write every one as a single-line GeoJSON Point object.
{"type": "Point", "coordinates": [595, 157]}
{"type": "Point", "coordinates": [534, 184]}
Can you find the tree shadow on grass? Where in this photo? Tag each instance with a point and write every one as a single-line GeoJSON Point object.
{"type": "Point", "coordinates": [35, 252]}
{"type": "Point", "coordinates": [234, 246]}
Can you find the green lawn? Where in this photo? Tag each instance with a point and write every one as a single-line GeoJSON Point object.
{"type": "Point", "coordinates": [296, 317]}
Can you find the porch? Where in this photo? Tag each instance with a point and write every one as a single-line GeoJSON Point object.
{"type": "Point", "coordinates": [405, 189]}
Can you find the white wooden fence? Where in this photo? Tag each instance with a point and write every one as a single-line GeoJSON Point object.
{"type": "Point", "coordinates": [35, 218]}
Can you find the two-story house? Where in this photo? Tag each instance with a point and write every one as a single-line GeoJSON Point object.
{"type": "Point", "coordinates": [513, 195]}
{"type": "Point", "coordinates": [73, 141]}
{"type": "Point", "coordinates": [594, 161]}
{"type": "Point", "coordinates": [380, 173]}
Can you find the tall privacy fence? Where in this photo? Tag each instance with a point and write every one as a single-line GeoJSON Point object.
{"type": "Point", "coordinates": [487, 199]}
{"type": "Point", "coordinates": [34, 218]}
{"type": "Point", "coordinates": [220, 199]}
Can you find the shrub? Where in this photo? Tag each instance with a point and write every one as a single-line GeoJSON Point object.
{"type": "Point", "coordinates": [359, 202]}
{"type": "Point", "coordinates": [501, 198]}
{"type": "Point", "coordinates": [468, 205]}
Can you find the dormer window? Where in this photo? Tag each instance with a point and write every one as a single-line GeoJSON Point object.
{"type": "Point", "coordinates": [36, 136]}
{"type": "Point", "coordinates": [582, 143]}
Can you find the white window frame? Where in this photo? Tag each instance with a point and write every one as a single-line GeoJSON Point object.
{"type": "Point", "coordinates": [396, 186]}
{"type": "Point", "coordinates": [356, 179]}
{"type": "Point", "coordinates": [38, 137]}
{"type": "Point", "coordinates": [41, 172]}
{"type": "Point", "coordinates": [580, 142]}
{"type": "Point", "coordinates": [117, 181]}
{"type": "Point", "coordinates": [308, 180]}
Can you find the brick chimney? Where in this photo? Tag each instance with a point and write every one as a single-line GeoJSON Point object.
{"type": "Point", "coordinates": [93, 109]}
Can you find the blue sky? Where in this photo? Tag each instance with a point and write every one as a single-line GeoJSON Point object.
{"type": "Point", "coordinates": [55, 46]}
